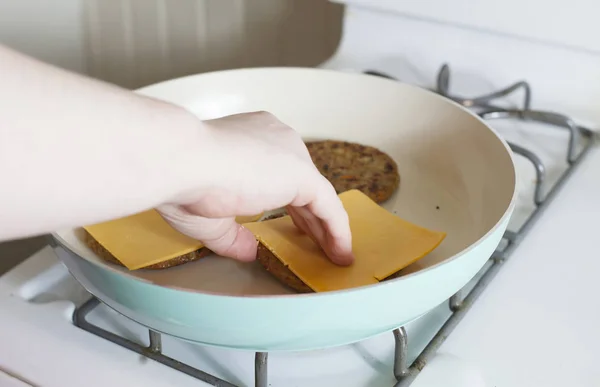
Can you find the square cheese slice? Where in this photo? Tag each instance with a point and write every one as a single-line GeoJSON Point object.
{"type": "Point", "coordinates": [382, 244]}
{"type": "Point", "coordinates": [142, 239]}
{"type": "Point", "coordinates": [145, 239]}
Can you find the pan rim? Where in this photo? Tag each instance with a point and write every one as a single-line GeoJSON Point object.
{"type": "Point", "coordinates": [301, 296]}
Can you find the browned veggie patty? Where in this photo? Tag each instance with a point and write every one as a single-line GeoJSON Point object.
{"type": "Point", "coordinates": [107, 256]}
{"type": "Point", "coordinates": [354, 166]}
{"type": "Point", "coordinates": [280, 271]}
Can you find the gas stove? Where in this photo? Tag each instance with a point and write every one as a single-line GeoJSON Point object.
{"type": "Point", "coordinates": [527, 319]}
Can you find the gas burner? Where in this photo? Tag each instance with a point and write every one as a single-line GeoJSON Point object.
{"type": "Point", "coordinates": [154, 349]}
{"type": "Point", "coordinates": [483, 101]}
{"type": "Point", "coordinates": [486, 110]}
{"type": "Point", "coordinates": [479, 102]}
{"type": "Point", "coordinates": [580, 141]}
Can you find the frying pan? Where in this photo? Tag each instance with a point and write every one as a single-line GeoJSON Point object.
{"type": "Point", "coordinates": [457, 176]}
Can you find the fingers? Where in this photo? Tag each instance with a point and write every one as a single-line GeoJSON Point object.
{"type": "Point", "coordinates": [334, 236]}
{"type": "Point", "coordinates": [223, 236]}
{"type": "Point", "coordinates": [299, 221]}
{"type": "Point", "coordinates": [232, 240]}
{"type": "Point", "coordinates": [287, 176]}
{"type": "Point", "coordinates": [314, 228]}
{"type": "Point", "coordinates": [317, 210]}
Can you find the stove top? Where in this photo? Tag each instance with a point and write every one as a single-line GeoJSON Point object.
{"type": "Point", "coordinates": [527, 319]}
{"type": "Point", "coordinates": [52, 309]}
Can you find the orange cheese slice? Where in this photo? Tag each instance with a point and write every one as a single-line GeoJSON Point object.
{"type": "Point", "coordinates": [145, 239]}
{"type": "Point", "coordinates": [382, 244]}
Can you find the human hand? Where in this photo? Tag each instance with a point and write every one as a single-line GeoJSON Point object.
{"type": "Point", "coordinates": [252, 162]}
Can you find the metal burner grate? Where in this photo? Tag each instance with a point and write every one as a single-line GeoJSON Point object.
{"type": "Point", "coordinates": [460, 303]}
{"type": "Point", "coordinates": [152, 351]}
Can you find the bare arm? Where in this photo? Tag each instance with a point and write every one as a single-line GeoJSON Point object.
{"type": "Point", "coordinates": [76, 151]}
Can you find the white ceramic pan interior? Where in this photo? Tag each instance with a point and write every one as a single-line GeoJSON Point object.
{"type": "Point", "coordinates": [457, 176]}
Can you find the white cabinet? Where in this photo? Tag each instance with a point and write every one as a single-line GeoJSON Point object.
{"type": "Point", "coordinates": [571, 23]}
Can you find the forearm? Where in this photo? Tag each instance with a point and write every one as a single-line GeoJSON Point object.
{"type": "Point", "coordinates": [75, 151]}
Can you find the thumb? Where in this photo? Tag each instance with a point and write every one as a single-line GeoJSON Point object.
{"type": "Point", "coordinates": [221, 235]}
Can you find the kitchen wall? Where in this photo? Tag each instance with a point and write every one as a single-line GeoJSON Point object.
{"type": "Point", "coordinates": [52, 31]}
{"type": "Point", "coordinates": [137, 42]}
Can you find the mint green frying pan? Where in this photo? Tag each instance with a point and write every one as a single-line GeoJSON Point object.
{"type": "Point", "coordinates": [457, 176]}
